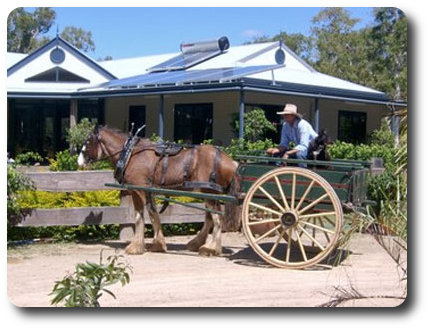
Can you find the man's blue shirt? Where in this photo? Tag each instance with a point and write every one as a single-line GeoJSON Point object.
{"type": "Point", "coordinates": [301, 133]}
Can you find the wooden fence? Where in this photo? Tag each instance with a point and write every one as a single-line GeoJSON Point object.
{"type": "Point", "coordinates": [92, 181]}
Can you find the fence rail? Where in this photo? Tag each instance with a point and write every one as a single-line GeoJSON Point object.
{"type": "Point", "coordinates": [92, 181]}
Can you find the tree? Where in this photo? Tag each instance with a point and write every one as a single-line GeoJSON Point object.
{"type": "Point", "coordinates": [24, 29]}
{"type": "Point", "coordinates": [337, 47]}
{"type": "Point", "coordinates": [390, 51]}
{"type": "Point", "coordinates": [298, 43]}
{"type": "Point", "coordinates": [79, 38]}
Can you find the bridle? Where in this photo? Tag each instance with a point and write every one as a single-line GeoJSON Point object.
{"type": "Point", "coordinates": [105, 151]}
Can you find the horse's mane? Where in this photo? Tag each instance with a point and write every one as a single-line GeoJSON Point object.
{"type": "Point", "coordinates": [124, 135]}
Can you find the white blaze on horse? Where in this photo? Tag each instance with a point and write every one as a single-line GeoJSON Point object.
{"type": "Point", "coordinates": [141, 162]}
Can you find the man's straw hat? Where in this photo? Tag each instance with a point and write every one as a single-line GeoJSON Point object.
{"type": "Point", "coordinates": [290, 109]}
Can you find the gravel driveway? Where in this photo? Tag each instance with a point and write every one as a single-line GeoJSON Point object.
{"type": "Point", "coordinates": [182, 278]}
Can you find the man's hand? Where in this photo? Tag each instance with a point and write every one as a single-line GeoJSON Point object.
{"type": "Point", "coordinates": [272, 151]}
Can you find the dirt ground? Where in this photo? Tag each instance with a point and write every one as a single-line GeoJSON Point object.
{"type": "Point", "coordinates": [180, 278]}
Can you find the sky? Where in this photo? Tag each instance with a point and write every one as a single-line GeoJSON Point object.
{"type": "Point", "coordinates": [133, 32]}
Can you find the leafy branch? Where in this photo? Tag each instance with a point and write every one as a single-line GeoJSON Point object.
{"type": "Point", "coordinates": [90, 280]}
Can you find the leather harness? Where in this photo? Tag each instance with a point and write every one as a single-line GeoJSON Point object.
{"type": "Point", "coordinates": [163, 150]}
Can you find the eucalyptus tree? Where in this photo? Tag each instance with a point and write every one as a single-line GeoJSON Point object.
{"type": "Point", "coordinates": [26, 31]}
{"type": "Point", "coordinates": [337, 49]}
{"type": "Point", "coordinates": [390, 51]}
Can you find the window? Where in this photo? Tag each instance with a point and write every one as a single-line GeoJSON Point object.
{"type": "Point", "coordinates": [57, 74]}
{"type": "Point", "coordinates": [352, 126]}
{"type": "Point", "coordinates": [93, 109]}
{"type": "Point", "coordinates": [137, 115]}
{"type": "Point", "coordinates": [38, 125]}
{"type": "Point", "coordinates": [193, 122]}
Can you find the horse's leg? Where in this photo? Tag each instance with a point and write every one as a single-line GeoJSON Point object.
{"type": "Point", "coordinates": [212, 247]}
{"type": "Point", "coordinates": [158, 243]}
{"type": "Point", "coordinates": [137, 244]}
{"type": "Point", "coordinates": [202, 235]}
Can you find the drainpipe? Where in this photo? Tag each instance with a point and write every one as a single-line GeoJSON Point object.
{"type": "Point", "coordinates": [317, 115]}
{"type": "Point", "coordinates": [161, 117]}
{"type": "Point", "coordinates": [241, 114]}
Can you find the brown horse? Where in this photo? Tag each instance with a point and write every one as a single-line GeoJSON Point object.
{"type": "Point", "coordinates": [147, 167]}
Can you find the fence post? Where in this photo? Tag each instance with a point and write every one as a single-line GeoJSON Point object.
{"type": "Point", "coordinates": [127, 230]}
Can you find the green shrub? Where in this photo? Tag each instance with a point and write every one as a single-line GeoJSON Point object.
{"type": "Point", "coordinates": [344, 150]}
{"type": "Point", "coordinates": [28, 158]}
{"type": "Point", "coordinates": [64, 233]}
{"type": "Point", "coordinates": [64, 161]}
{"type": "Point", "coordinates": [103, 164]}
{"type": "Point", "coordinates": [245, 147]}
{"type": "Point", "coordinates": [383, 136]}
{"type": "Point", "coordinates": [256, 125]}
{"type": "Point", "coordinates": [386, 187]}
{"type": "Point", "coordinates": [181, 229]}
{"type": "Point", "coordinates": [16, 182]}
{"type": "Point", "coordinates": [381, 188]}
{"type": "Point", "coordinates": [43, 199]}
{"type": "Point", "coordinates": [32, 199]}
{"type": "Point", "coordinates": [78, 134]}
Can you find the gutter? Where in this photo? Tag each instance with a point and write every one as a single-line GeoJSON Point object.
{"type": "Point", "coordinates": [250, 86]}
{"type": "Point", "coordinates": [323, 96]}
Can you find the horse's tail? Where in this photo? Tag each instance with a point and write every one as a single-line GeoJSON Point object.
{"type": "Point", "coordinates": [232, 210]}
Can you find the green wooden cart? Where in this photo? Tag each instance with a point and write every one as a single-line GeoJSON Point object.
{"type": "Point", "coordinates": [291, 216]}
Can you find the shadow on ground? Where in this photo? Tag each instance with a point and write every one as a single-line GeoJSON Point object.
{"type": "Point", "coordinates": [246, 256]}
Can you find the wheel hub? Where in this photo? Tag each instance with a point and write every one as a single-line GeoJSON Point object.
{"type": "Point", "coordinates": [289, 219]}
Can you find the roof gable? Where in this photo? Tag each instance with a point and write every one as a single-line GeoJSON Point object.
{"type": "Point", "coordinates": [58, 42]}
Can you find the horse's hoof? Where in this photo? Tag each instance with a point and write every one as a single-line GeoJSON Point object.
{"type": "Point", "coordinates": [158, 246]}
{"type": "Point", "coordinates": [208, 252]}
{"type": "Point", "coordinates": [193, 246]}
{"type": "Point", "coordinates": [134, 249]}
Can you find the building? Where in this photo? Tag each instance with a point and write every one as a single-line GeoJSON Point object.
{"type": "Point", "coordinates": [191, 95]}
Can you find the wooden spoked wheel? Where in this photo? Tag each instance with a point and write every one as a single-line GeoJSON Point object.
{"type": "Point", "coordinates": [292, 217]}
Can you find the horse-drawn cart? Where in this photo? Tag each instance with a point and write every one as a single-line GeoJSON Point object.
{"type": "Point", "coordinates": [291, 216]}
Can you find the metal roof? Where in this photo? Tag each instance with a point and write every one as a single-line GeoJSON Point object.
{"type": "Point", "coordinates": [248, 67]}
